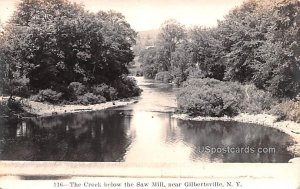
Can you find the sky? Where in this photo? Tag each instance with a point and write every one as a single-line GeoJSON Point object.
{"type": "Point", "coordinates": [150, 14]}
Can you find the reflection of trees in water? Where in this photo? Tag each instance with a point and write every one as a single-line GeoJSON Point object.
{"type": "Point", "coordinates": [12, 145]}
{"type": "Point", "coordinates": [222, 134]}
{"type": "Point", "coordinates": [91, 136]}
{"type": "Point", "coordinates": [106, 136]}
{"type": "Point", "coordinates": [7, 128]}
{"type": "Point", "coordinates": [173, 131]}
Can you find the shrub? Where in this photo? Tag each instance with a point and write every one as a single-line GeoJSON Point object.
{"type": "Point", "coordinates": [291, 110]}
{"type": "Point", "coordinates": [126, 87]}
{"type": "Point", "coordinates": [179, 76]}
{"type": "Point", "coordinates": [139, 72]}
{"type": "Point", "coordinates": [14, 105]}
{"type": "Point", "coordinates": [16, 87]}
{"type": "Point", "coordinates": [177, 81]}
{"type": "Point", "coordinates": [4, 110]}
{"type": "Point", "coordinates": [106, 91]}
{"type": "Point", "coordinates": [20, 87]}
{"type": "Point", "coordinates": [149, 71]}
{"type": "Point", "coordinates": [165, 77]}
{"type": "Point", "coordinates": [256, 100]}
{"type": "Point", "coordinates": [90, 98]}
{"type": "Point", "coordinates": [7, 108]}
{"type": "Point", "coordinates": [68, 94]}
{"type": "Point", "coordinates": [196, 74]}
{"type": "Point", "coordinates": [78, 88]}
{"type": "Point", "coordinates": [209, 97]}
{"type": "Point", "coordinates": [278, 111]}
{"type": "Point", "coordinates": [47, 95]}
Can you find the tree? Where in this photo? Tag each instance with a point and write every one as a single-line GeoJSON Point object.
{"type": "Point", "coordinates": [2, 62]}
{"type": "Point", "coordinates": [207, 52]}
{"type": "Point", "coordinates": [53, 43]}
{"type": "Point", "coordinates": [182, 61]}
{"type": "Point", "coordinates": [241, 35]}
{"type": "Point", "coordinates": [259, 39]}
{"type": "Point", "coordinates": [256, 43]}
{"type": "Point", "coordinates": [280, 70]}
{"type": "Point", "coordinates": [172, 33]}
{"type": "Point", "coordinates": [150, 65]}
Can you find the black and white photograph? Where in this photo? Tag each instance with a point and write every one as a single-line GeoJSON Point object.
{"type": "Point", "coordinates": [149, 94]}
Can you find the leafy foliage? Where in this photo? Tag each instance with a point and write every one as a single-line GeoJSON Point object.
{"type": "Point", "coordinates": [289, 110]}
{"type": "Point", "coordinates": [256, 100]}
{"type": "Point", "coordinates": [209, 97]}
{"type": "Point", "coordinates": [256, 43]}
{"type": "Point", "coordinates": [10, 107]}
{"type": "Point", "coordinates": [55, 45]}
{"type": "Point", "coordinates": [106, 91]}
{"type": "Point", "coordinates": [126, 87]}
{"type": "Point", "coordinates": [77, 88]}
{"type": "Point", "coordinates": [150, 62]}
{"type": "Point", "coordinates": [164, 77]}
{"type": "Point", "coordinates": [90, 98]}
{"type": "Point", "coordinates": [160, 57]}
{"type": "Point", "coordinates": [292, 111]}
{"type": "Point", "coordinates": [47, 95]}
{"type": "Point", "coordinates": [259, 40]}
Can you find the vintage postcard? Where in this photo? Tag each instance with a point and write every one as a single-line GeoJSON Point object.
{"type": "Point", "coordinates": [149, 94]}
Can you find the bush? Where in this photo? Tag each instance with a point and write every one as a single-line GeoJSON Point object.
{"type": "Point", "coordinates": [7, 108]}
{"type": "Point", "coordinates": [20, 87]}
{"type": "Point", "coordinates": [4, 110]}
{"type": "Point", "coordinates": [17, 87]}
{"type": "Point", "coordinates": [14, 105]}
{"type": "Point", "coordinates": [180, 76]}
{"type": "Point", "coordinates": [149, 71]}
{"type": "Point", "coordinates": [278, 111]}
{"type": "Point", "coordinates": [209, 97]}
{"type": "Point", "coordinates": [256, 100]}
{"type": "Point", "coordinates": [196, 74]}
{"type": "Point", "coordinates": [165, 77]}
{"type": "Point", "coordinates": [106, 91]}
{"type": "Point", "coordinates": [90, 98]}
{"type": "Point", "coordinates": [293, 111]}
{"type": "Point", "coordinates": [139, 72]}
{"type": "Point", "coordinates": [78, 88]}
{"type": "Point", "coordinates": [126, 87]}
{"type": "Point", "coordinates": [68, 94]}
{"type": "Point", "coordinates": [290, 110]}
{"type": "Point", "coordinates": [47, 95]}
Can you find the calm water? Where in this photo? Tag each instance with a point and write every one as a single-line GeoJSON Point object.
{"type": "Point", "coordinates": [142, 132]}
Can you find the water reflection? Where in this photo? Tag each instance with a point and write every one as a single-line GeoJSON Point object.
{"type": "Point", "coordinates": [224, 135]}
{"type": "Point", "coordinates": [115, 135]}
{"type": "Point", "coordinates": [149, 144]}
{"type": "Point", "coordinates": [142, 132]}
{"type": "Point", "coordinates": [96, 136]}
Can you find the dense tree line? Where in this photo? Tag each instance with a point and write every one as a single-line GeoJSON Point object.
{"type": "Point", "coordinates": [256, 43]}
{"type": "Point", "coordinates": [59, 51]}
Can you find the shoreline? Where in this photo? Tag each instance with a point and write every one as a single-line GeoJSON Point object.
{"type": "Point", "coordinates": [46, 109]}
{"type": "Point", "coordinates": [289, 127]}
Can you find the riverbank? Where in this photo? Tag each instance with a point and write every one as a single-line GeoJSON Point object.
{"type": "Point", "coordinates": [45, 109]}
{"type": "Point", "coordinates": [289, 127]}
